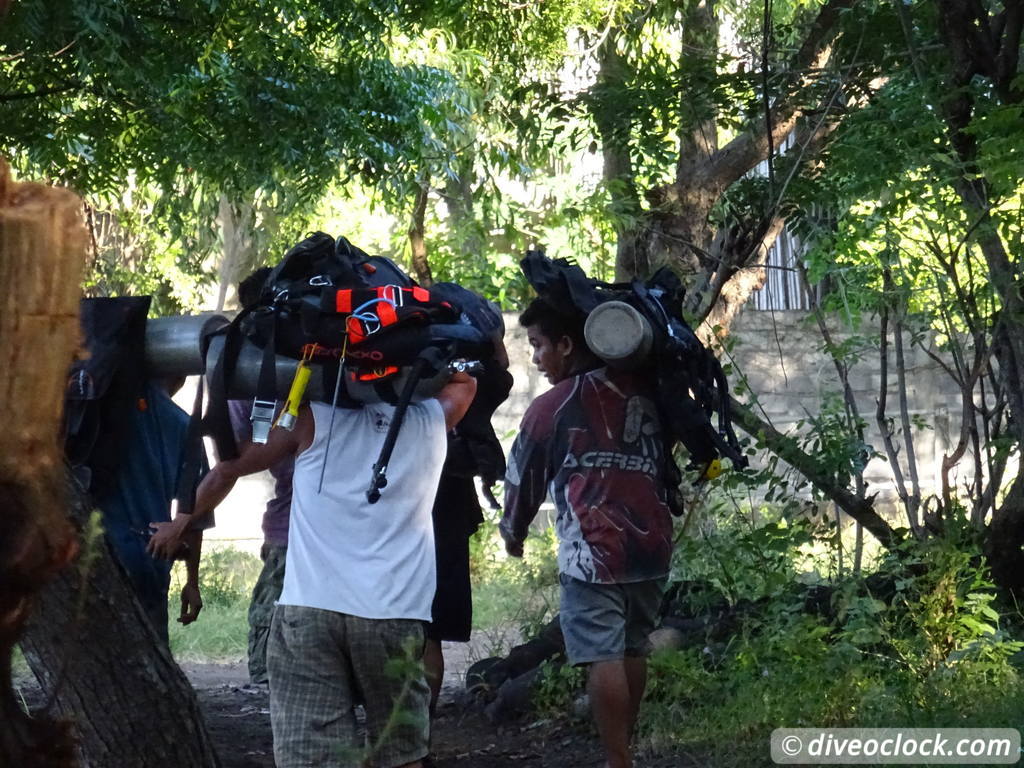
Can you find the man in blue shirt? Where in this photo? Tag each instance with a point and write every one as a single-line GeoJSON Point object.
{"type": "Point", "coordinates": [146, 483]}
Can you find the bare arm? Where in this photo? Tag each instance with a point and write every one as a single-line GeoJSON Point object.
{"type": "Point", "coordinates": [214, 488]}
{"type": "Point", "coordinates": [455, 398]}
{"type": "Point", "coordinates": [191, 599]}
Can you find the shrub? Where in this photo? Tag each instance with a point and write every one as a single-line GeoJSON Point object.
{"type": "Point", "coordinates": [924, 649]}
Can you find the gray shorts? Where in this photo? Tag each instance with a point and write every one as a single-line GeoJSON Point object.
{"type": "Point", "coordinates": [608, 622]}
{"type": "Point", "coordinates": [319, 662]}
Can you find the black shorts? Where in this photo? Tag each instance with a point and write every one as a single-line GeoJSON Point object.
{"type": "Point", "coordinates": [456, 517]}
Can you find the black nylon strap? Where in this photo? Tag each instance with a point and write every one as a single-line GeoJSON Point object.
{"type": "Point", "coordinates": [266, 386]}
{"type": "Point", "coordinates": [217, 421]}
{"type": "Point", "coordinates": [193, 452]}
{"type": "Point", "coordinates": [191, 458]}
{"type": "Point", "coordinates": [380, 468]}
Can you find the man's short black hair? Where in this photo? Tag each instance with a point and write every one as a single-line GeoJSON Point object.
{"type": "Point", "coordinates": [554, 323]}
{"type": "Point", "coordinates": [249, 289]}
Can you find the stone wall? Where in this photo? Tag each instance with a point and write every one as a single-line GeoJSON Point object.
{"type": "Point", "coordinates": [793, 384]}
{"type": "Point", "coordinates": [781, 355]}
{"type": "Point", "coordinates": [790, 384]}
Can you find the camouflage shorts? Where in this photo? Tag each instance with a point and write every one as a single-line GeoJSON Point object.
{"type": "Point", "coordinates": [261, 609]}
{"type": "Point", "coordinates": [322, 662]}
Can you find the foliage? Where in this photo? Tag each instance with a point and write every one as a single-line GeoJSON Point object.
{"type": "Point", "coordinates": [507, 591]}
{"type": "Point", "coordinates": [220, 635]}
{"type": "Point", "coordinates": [927, 652]}
{"type": "Point", "coordinates": [227, 577]}
{"type": "Point", "coordinates": [228, 93]}
{"type": "Point", "coordinates": [746, 557]}
{"type": "Point", "coordinates": [556, 689]}
{"type": "Point", "coordinates": [269, 107]}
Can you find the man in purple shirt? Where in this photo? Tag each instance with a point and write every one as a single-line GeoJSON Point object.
{"type": "Point", "coordinates": [275, 516]}
{"type": "Point", "coordinates": [275, 547]}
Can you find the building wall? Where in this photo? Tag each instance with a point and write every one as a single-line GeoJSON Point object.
{"type": "Point", "coordinates": [781, 355]}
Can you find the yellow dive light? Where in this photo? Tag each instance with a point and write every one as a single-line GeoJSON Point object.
{"type": "Point", "coordinates": [290, 412]}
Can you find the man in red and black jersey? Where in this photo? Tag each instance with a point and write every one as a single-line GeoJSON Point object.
{"type": "Point", "coordinates": [594, 442]}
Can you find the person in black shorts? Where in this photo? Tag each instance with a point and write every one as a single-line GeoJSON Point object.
{"type": "Point", "coordinates": [473, 450]}
{"type": "Point", "coordinates": [457, 515]}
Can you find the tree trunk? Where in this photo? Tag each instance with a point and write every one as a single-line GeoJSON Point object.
{"type": "Point", "coordinates": [237, 220]}
{"type": "Point", "coordinates": [962, 25]}
{"type": "Point", "coordinates": [88, 642]}
{"type": "Point", "coordinates": [724, 264]}
{"type": "Point", "coordinates": [92, 649]}
{"type": "Point", "coordinates": [417, 236]}
{"type": "Point", "coordinates": [1005, 539]}
{"type": "Point", "coordinates": [42, 250]}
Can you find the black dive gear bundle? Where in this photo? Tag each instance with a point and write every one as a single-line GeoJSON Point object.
{"type": "Point", "coordinates": [358, 325]}
{"type": "Point", "coordinates": [690, 382]}
{"type": "Point", "coordinates": [104, 386]}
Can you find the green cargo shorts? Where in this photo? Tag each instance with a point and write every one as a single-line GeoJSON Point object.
{"type": "Point", "coordinates": [319, 663]}
{"type": "Point", "coordinates": [264, 595]}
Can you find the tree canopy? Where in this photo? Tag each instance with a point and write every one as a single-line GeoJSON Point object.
{"type": "Point", "coordinates": [885, 135]}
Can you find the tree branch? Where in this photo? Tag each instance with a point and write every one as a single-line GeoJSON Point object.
{"type": "Point", "coordinates": [787, 449]}
{"type": "Point", "coordinates": [417, 235]}
{"type": "Point", "coordinates": [748, 149]}
{"type": "Point", "coordinates": [23, 95]}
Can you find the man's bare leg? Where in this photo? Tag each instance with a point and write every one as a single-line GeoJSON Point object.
{"type": "Point", "coordinates": [611, 703]}
{"type": "Point", "coordinates": [433, 663]}
{"type": "Point", "coordinates": [636, 677]}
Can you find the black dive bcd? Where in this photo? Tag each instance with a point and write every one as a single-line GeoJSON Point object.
{"type": "Point", "coordinates": [363, 327]}
{"type": "Point", "coordinates": [690, 383]}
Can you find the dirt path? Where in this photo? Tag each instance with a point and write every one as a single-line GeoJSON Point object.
{"type": "Point", "coordinates": [238, 717]}
{"type": "Point", "coordinates": [239, 721]}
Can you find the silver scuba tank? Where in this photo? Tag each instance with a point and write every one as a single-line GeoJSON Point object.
{"type": "Point", "coordinates": [618, 334]}
{"type": "Point", "coordinates": [174, 348]}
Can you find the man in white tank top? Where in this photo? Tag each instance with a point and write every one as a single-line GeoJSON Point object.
{"type": "Point", "coordinates": [359, 579]}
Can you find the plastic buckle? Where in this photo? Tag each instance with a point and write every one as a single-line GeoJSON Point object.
{"type": "Point", "coordinates": [262, 418]}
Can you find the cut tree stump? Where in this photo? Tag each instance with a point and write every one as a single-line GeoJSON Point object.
{"type": "Point", "coordinates": [85, 636]}
{"type": "Point", "coordinates": [42, 250]}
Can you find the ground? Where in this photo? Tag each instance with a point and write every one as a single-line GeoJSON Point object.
{"type": "Point", "coordinates": [238, 718]}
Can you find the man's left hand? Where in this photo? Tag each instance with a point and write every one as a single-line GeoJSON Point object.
{"type": "Point", "coordinates": [514, 548]}
{"type": "Point", "coordinates": [165, 542]}
{"type": "Point", "coordinates": [191, 603]}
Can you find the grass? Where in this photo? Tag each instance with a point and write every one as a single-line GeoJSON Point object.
{"type": "Point", "coordinates": [934, 653]}
{"type": "Point", "coordinates": [221, 632]}
{"type": "Point", "coordinates": [511, 598]}
{"type": "Point", "coordinates": [219, 635]}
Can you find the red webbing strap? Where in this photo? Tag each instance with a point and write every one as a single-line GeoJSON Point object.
{"type": "Point", "coordinates": [387, 314]}
{"type": "Point", "coordinates": [355, 330]}
{"type": "Point", "coordinates": [378, 373]}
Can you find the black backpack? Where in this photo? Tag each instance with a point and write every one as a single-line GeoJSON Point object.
{"type": "Point", "coordinates": [691, 385]}
{"type": "Point", "coordinates": [104, 386]}
{"type": "Point", "coordinates": [329, 302]}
